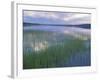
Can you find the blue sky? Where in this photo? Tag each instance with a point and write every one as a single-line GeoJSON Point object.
{"type": "Point", "coordinates": [56, 17]}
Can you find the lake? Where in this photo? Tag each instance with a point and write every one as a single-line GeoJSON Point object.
{"type": "Point", "coordinates": [55, 46]}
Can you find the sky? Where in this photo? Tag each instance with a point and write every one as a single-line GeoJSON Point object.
{"type": "Point", "coordinates": [44, 17]}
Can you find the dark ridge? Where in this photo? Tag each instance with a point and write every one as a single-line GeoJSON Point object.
{"type": "Point", "coordinates": [87, 26]}
{"type": "Point", "coordinates": [30, 24]}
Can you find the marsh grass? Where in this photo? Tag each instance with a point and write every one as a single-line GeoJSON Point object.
{"type": "Point", "coordinates": [53, 56]}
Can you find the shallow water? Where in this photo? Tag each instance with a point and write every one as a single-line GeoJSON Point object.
{"type": "Point", "coordinates": [79, 59]}
{"type": "Point", "coordinates": [63, 29]}
{"type": "Point", "coordinates": [37, 38]}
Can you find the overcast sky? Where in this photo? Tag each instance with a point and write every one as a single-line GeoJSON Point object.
{"type": "Point", "coordinates": [56, 17]}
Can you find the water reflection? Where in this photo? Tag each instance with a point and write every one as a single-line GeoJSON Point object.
{"type": "Point", "coordinates": [38, 46]}
{"type": "Point", "coordinates": [37, 38]}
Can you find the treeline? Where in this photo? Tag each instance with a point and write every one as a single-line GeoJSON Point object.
{"type": "Point", "coordinates": [88, 26]}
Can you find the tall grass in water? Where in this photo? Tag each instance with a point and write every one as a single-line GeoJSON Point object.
{"type": "Point", "coordinates": [53, 56]}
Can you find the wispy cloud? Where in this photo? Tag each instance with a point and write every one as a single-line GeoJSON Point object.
{"type": "Point", "coordinates": [61, 17]}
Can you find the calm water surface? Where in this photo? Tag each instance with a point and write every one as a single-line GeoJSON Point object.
{"type": "Point", "coordinates": [37, 38]}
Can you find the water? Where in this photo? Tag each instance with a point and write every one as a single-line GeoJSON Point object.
{"type": "Point", "coordinates": [80, 59]}
{"type": "Point", "coordinates": [63, 29]}
{"type": "Point", "coordinates": [38, 38]}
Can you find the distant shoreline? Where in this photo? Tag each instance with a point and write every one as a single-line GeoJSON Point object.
{"type": "Point", "coordinates": [87, 26]}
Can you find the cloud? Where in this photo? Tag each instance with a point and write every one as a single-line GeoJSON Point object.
{"type": "Point", "coordinates": [60, 17]}
{"type": "Point", "coordinates": [78, 19]}
{"type": "Point", "coordinates": [75, 16]}
{"type": "Point", "coordinates": [40, 14]}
